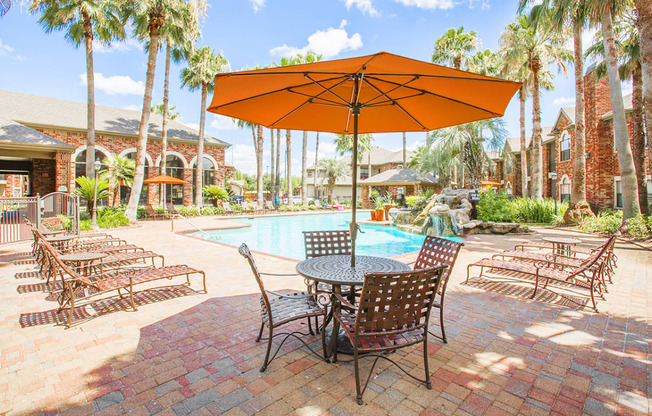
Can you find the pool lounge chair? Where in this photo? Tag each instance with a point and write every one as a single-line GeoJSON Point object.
{"type": "Point", "coordinates": [171, 209]}
{"type": "Point", "coordinates": [153, 215]}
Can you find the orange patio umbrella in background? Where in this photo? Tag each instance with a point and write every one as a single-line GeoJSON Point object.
{"type": "Point", "coordinates": [378, 93]}
{"type": "Point", "coordinates": [165, 180]}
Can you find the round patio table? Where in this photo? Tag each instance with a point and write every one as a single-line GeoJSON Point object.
{"type": "Point", "coordinates": [562, 246]}
{"type": "Point", "coordinates": [60, 242]}
{"type": "Point", "coordinates": [336, 270]}
{"type": "Point", "coordinates": [83, 261]}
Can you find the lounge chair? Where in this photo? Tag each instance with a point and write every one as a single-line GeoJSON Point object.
{"type": "Point", "coordinates": [171, 209]}
{"type": "Point", "coordinates": [436, 251]}
{"type": "Point", "coordinates": [386, 319]}
{"type": "Point", "coordinates": [152, 214]}
{"type": "Point", "coordinates": [586, 276]}
{"type": "Point", "coordinates": [83, 288]}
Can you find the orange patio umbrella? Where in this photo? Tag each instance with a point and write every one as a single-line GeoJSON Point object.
{"type": "Point", "coordinates": [369, 94]}
{"type": "Point", "coordinates": [166, 179]}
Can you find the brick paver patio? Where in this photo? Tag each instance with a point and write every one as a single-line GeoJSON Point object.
{"type": "Point", "coordinates": [189, 353]}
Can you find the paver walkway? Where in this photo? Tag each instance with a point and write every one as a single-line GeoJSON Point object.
{"type": "Point", "coordinates": [189, 353]}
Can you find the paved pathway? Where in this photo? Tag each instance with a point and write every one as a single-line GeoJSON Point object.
{"type": "Point", "coordinates": [189, 353]}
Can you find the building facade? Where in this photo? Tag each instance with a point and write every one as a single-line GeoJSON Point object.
{"type": "Point", "coordinates": [43, 148]}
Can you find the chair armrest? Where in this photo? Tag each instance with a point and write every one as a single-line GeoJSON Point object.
{"type": "Point", "coordinates": [295, 295]}
{"type": "Point", "coordinates": [278, 274]}
{"type": "Point", "coordinates": [345, 303]}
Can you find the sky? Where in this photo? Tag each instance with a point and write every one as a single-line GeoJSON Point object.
{"type": "Point", "coordinates": [260, 32]}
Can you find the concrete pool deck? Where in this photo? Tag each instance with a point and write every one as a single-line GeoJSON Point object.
{"type": "Point", "coordinates": [184, 352]}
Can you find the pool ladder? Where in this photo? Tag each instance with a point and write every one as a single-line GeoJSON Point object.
{"type": "Point", "coordinates": [186, 220]}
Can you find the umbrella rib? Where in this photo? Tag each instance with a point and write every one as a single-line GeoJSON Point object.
{"type": "Point", "coordinates": [382, 94]}
{"type": "Point", "coordinates": [328, 89]}
{"type": "Point", "coordinates": [429, 93]}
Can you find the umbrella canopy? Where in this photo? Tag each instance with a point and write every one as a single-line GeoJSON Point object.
{"type": "Point", "coordinates": [368, 94]}
{"type": "Point", "coordinates": [166, 179]}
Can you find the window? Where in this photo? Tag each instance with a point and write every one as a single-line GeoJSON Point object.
{"type": "Point", "coordinates": [364, 173]}
{"type": "Point", "coordinates": [618, 193]}
{"type": "Point", "coordinates": [508, 166]}
{"type": "Point", "coordinates": [565, 189]}
{"type": "Point", "coordinates": [564, 147]}
{"type": "Point", "coordinates": [174, 167]}
{"type": "Point", "coordinates": [125, 191]}
{"type": "Point", "coordinates": [508, 188]}
{"type": "Point", "coordinates": [208, 178]}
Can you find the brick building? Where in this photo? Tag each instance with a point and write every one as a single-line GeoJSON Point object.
{"type": "Point", "coordinates": [602, 170]}
{"type": "Point", "coordinates": [43, 147]}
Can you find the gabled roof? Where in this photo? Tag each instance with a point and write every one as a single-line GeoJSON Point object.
{"type": "Point", "coordinates": [379, 156]}
{"type": "Point", "coordinates": [44, 112]}
{"type": "Point", "coordinates": [17, 135]}
{"type": "Point", "coordinates": [399, 177]}
{"type": "Point", "coordinates": [514, 143]}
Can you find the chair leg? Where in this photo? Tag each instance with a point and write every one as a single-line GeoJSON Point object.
{"type": "Point", "coordinates": [310, 331]}
{"type": "Point", "coordinates": [441, 322]}
{"type": "Point", "coordinates": [260, 333]}
{"type": "Point", "coordinates": [425, 359]}
{"type": "Point", "coordinates": [323, 343]}
{"type": "Point", "coordinates": [269, 349]}
{"type": "Point", "coordinates": [357, 374]}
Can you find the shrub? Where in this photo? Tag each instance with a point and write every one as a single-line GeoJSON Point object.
{"type": "Point", "coordinates": [411, 201]}
{"type": "Point", "coordinates": [536, 211]}
{"type": "Point", "coordinates": [214, 192]}
{"type": "Point", "coordinates": [212, 211]}
{"type": "Point", "coordinates": [188, 211]}
{"type": "Point", "coordinates": [605, 222]}
{"type": "Point", "coordinates": [106, 218]}
{"type": "Point", "coordinates": [640, 227]}
{"type": "Point", "coordinates": [494, 207]}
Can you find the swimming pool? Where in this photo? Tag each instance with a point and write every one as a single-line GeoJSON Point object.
{"type": "Point", "coordinates": [282, 235]}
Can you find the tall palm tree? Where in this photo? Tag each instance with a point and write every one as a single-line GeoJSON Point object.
{"type": "Point", "coordinates": [203, 64]}
{"type": "Point", "coordinates": [277, 185]}
{"type": "Point", "coordinates": [344, 145]}
{"type": "Point", "coordinates": [561, 14]}
{"type": "Point", "coordinates": [628, 48]}
{"type": "Point", "coordinates": [257, 134]}
{"type": "Point", "coordinates": [485, 63]}
{"type": "Point", "coordinates": [644, 9]}
{"type": "Point", "coordinates": [454, 46]}
{"type": "Point", "coordinates": [271, 169]}
{"type": "Point", "coordinates": [543, 47]}
{"type": "Point", "coordinates": [314, 181]}
{"type": "Point", "coordinates": [167, 114]}
{"type": "Point", "coordinates": [148, 16]}
{"type": "Point", "coordinates": [83, 21]}
{"type": "Point", "coordinates": [119, 171]}
{"type": "Point", "coordinates": [334, 169]}
{"type": "Point", "coordinates": [602, 12]}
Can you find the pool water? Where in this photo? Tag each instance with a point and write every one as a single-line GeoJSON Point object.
{"type": "Point", "coordinates": [282, 235]}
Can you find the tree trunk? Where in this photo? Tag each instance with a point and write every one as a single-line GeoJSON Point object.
{"type": "Point", "coordinates": [621, 136]}
{"type": "Point", "coordinates": [316, 163]}
{"type": "Point", "coordinates": [139, 173]}
{"type": "Point", "coordinates": [578, 192]}
{"type": "Point", "coordinates": [288, 164]}
{"type": "Point", "coordinates": [644, 8]}
{"type": "Point", "coordinates": [271, 170]}
{"type": "Point", "coordinates": [304, 170]}
{"type": "Point", "coordinates": [638, 139]}
{"type": "Point", "coordinates": [164, 124]}
{"type": "Point", "coordinates": [404, 151]}
{"type": "Point", "coordinates": [522, 96]}
{"type": "Point", "coordinates": [277, 187]}
{"type": "Point", "coordinates": [537, 151]}
{"type": "Point", "coordinates": [199, 166]}
{"type": "Point", "coordinates": [259, 166]}
{"type": "Point", "coordinates": [330, 192]}
{"type": "Point", "coordinates": [90, 103]}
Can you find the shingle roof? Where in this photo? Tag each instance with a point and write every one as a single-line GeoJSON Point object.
{"type": "Point", "coordinates": [627, 100]}
{"type": "Point", "coordinates": [15, 133]}
{"type": "Point", "coordinates": [33, 110]}
{"type": "Point", "coordinates": [399, 176]}
{"type": "Point", "coordinates": [379, 156]}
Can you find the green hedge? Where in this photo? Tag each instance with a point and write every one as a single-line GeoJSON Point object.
{"type": "Point", "coordinates": [499, 207]}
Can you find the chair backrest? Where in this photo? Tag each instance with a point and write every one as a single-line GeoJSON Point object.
{"type": "Point", "coordinates": [603, 251]}
{"type": "Point", "coordinates": [324, 243]}
{"type": "Point", "coordinates": [61, 269]}
{"type": "Point", "coordinates": [244, 251]}
{"type": "Point", "coordinates": [226, 206]}
{"type": "Point", "coordinates": [149, 209]}
{"type": "Point", "coordinates": [170, 207]}
{"type": "Point", "coordinates": [438, 250]}
{"type": "Point", "coordinates": [394, 303]}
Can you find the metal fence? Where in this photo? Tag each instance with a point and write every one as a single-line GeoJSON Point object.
{"type": "Point", "coordinates": [13, 211]}
{"type": "Point", "coordinates": [54, 211]}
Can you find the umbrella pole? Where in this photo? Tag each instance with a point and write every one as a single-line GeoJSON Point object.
{"type": "Point", "coordinates": [353, 227]}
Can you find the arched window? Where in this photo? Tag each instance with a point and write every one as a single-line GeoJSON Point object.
{"type": "Point", "coordinates": [564, 147]}
{"type": "Point", "coordinates": [508, 188]}
{"type": "Point", "coordinates": [125, 191]}
{"type": "Point", "coordinates": [174, 168]}
{"type": "Point", "coordinates": [208, 178]}
{"type": "Point", "coordinates": [565, 188]}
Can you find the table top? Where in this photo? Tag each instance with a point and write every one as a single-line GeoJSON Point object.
{"type": "Point", "coordinates": [336, 269]}
{"type": "Point", "coordinates": [53, 232]}
{"type": "Point", "coordinates": [86, 256]}
{"type": "Point", "coordinates": [58, 238]}
{"type": "Point", "coordinates": [561, 240]}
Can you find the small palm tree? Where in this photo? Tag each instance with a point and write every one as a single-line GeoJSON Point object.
{"type": "Point", "coordinates": [86, 190]}
{"type": "Point", "coordinates": [121, 172]}
{"type": "Point", "coordinates": [334, 169]}
{"type": "Point", "coordinates": [215, 193]}
{"type": "Point", "coordinates": [84, 21]}
{"type": "Point", "coordinates": [203, 64]}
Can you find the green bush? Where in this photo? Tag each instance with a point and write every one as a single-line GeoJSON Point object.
{"type": "Point", "coordinates": [494, 207]}
{"type": "Point", "coordinates": [188, 211]}
{"type": "Point", "coordinates": [537, 211]}
{"type": "Point", "coordinates": [640, 227]}
{"type": "Point", "coordinates": [214, 192]}
{"type": "Point", "coordinates": [212, 211]}
{"type": "Point", "coordinates": [411, 201]}
{"type": "Point", "coordinates": [608, 221]}
{"type": "Point", "coordinates": [107, 217]}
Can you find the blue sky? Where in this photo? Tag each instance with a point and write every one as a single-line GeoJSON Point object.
{"type": "Point", "coordinates": [259, 32]}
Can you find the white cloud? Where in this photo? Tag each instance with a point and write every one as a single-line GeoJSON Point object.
{"type": "Point", "coordinates": [223, 123]}
{"type": "Point", "coordinates": [244, 158]}
{"type": "Point", "coordinates": [328, 43]}
{"type": "Point", "coordinates": [7, 51]}
{"type": "Point", "coordinates": [364, 6]}
{"type": "Point", "coordinates": [563, 101]}
{"type": "Point", "coordinates": [428, 4]}
{"type": "Point", "coordinates": [116, 84]}
{"type": "Point", "coordinates": [257, 5]}
{"type": "Point", "coordinates": [121, 46]}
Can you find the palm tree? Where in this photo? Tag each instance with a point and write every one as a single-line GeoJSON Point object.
{"type": "Point", "coordinates": [167, 114]}
{"type": "Point", "coordinates": [485, 63]}
{"type": "Point", "coordinates": [602, 12]}
{"type": "Point", "coordinates": [257, 134]}
{"type": "Point", "coordinates": [277, 185]}
{"type": "Point", "coordinates": [203, 64]}
{"type": "Point", "coordinates": [120, 172]}
{"type": "Point", "coordinates": [644, 9]}
{"type": "Point", "coordinates": [84, 21]}
{"type": "Point", "coordinates": [272, 178]}
{"type": "Point", "coordinates": [542, 47]}
{"type": "Point", "coordinates": [439, 161]}
{"type": "Point", "coordinates": [334, 169]}
{"type": "Point", "coordinates": [86, 190]}
{"type": "Point", "coordinates": [288, 164]}
{"type": "Point", "coordinates": [454, 46]}
{"type": "Point", "coordinates": [314, 182]}
{"type": "Point", "coordinates": [344, 145]}
{"type": "Point", "coordinates": [628, 47]}
{"type": "Point", "coordinates": [149, 16]}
